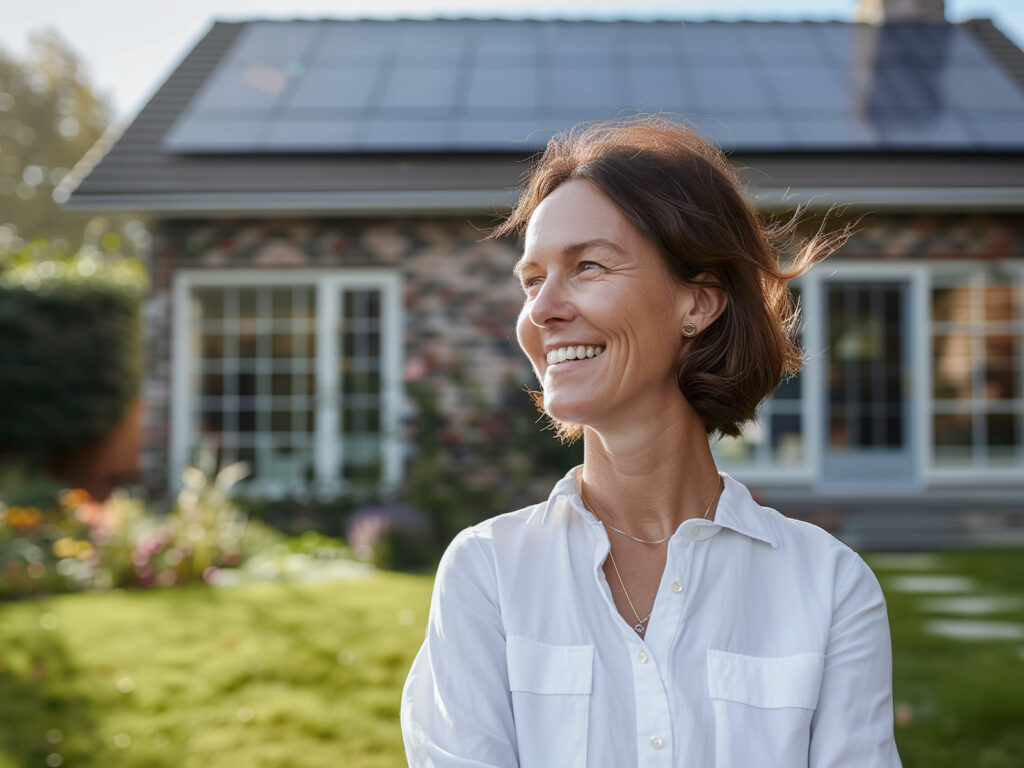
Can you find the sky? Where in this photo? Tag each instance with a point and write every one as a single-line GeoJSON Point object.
{"type": "Point", "coordinates": [129, 47]}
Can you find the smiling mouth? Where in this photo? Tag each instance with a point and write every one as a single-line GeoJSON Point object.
{"type": "Point", "coordinates": [563, 354]}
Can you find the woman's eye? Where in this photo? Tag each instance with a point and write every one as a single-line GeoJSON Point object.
{"type": "Point", "coordinates": [588, 265]}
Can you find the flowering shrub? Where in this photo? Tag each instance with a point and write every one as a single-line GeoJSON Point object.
{"type": "Point", "coordinates": [76, 542]}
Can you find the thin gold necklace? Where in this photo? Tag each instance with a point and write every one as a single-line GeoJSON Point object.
{"type": "Point", "coordinates": [639, 627]}
{"type": "Point", "coordinates": [707, 512]}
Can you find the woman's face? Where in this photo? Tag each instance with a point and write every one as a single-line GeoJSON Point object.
{"type": "Point", "coordinates": [595, 284]}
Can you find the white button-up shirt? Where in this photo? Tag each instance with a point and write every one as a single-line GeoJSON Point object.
{"type": "Point", "coordinates": [768, 646]}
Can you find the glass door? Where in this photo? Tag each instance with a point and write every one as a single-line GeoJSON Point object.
{"type": "Point", "coordinates": [868, 435]}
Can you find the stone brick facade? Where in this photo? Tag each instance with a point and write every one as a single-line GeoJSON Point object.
{"type": "Point", "coordinates": [460, 300]}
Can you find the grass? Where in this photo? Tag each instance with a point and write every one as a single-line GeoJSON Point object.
{"type": "Point", "coordinates": [264, 675]}
{"type": "Point", "coordinates": [309, 675]}
{"type": "Point", "coordinates": [958, 703]}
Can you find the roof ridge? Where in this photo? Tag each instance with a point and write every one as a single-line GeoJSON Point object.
{"type": "Point", "coordinates": [557, 20]}
{"type": "Point", "coordinates": [1005, 52]}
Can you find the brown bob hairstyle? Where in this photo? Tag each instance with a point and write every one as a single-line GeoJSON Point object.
{"type": "Point", "coordinates": [680, 191]}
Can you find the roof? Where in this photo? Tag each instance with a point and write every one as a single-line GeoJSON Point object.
{"type": "Point", "coordinates": [395, 116]}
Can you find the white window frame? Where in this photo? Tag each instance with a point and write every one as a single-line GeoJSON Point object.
{"type": "Point", "coordinates": [920, 276]}
{"type": "Point", "coordinates": [329, 284]}
{"type": "Point", "coordinates": [940, 475]}
{"type": "Point", "coordinates": [768, 472]}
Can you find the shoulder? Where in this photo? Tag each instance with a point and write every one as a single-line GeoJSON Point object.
{"type": "Point", "coordinates": [818, 554]}
{"type": "Point", "coordinates": [476, 547]}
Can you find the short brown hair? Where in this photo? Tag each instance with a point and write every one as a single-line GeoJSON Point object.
{"type": "Point", "coordinates": [680, 191]}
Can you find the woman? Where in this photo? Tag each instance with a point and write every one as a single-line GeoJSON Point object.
{"type": "Point", "coordinates": [650, 612]}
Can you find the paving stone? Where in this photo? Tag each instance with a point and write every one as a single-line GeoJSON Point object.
{"type": "Point", "coordinates": [931, 584]}
{"type": "Point", "coordinates": [963, 629]}
{"type": "Point", "coordinates": [973, 605]}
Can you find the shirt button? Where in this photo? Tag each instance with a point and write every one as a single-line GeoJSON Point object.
{"type": "Point", "coordinates": [642, 656]}
{"type": "Point", "coordinates": [677, 586]}
{"type": "Point", "coordinates": [695, 531]}
{"type": "Point", "coordinates": [656, 742]}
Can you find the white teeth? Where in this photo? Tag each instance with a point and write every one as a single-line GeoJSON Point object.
{"type": "Point", "coordinates": [578, 352]}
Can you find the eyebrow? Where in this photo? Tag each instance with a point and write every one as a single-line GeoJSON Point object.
{"type": "Point", "coordinates": [574, 249]}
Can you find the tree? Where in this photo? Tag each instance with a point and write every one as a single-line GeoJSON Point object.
{"type": "Point", "coordinates": [49, 118]}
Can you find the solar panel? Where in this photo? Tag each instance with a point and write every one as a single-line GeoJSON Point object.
{"type": "Point", "coordinates": [652, 87]}
{"type": "Point", "coordinates": [510, 88]}
{"type": "Point", "coordinates": [443, 86]}
{"type": "Point", "coordinates": [427, 88]}
{"type": "Point", "coordinates": [340, 87]}
{"type": "Point", "coordinates": [730, 88]}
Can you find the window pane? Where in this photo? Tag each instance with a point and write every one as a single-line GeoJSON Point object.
{"type": "Point", "coordinates": [1003, 435]}
{"type": "Point", "coordinates": [1001, 303]}
{"type": "Point", "coordinates": [1000, 364]}
{"type": "Point", "coordinates": [787, 438]}
{"type": "Point", "coordinates": [251, 365]}
{"type": "Point", "coordinates": [951, 304]}
{"type": "Point", "coordinates": [953, 435]}
{"type": "Point", "coordinates": [360, 384]}
{"type": "Point", "coordinates": [952, 361]}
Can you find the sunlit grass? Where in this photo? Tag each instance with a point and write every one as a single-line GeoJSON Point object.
{"type": "Point", "coordinates": [309, 675]}
{"type": "Point", "coordinates": [268, 675]}
{"type": "Point", "coordinates": [958, 703]}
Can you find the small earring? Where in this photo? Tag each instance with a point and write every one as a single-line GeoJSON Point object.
{"type": "Point", "coordinates": [689, 329]}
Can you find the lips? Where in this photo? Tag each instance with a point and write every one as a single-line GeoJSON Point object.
{"type": "Point", "coordinates": [573, 352]}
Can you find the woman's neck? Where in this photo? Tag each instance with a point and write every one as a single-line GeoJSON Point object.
{"type": "Point", "coordinates": [648, 481]}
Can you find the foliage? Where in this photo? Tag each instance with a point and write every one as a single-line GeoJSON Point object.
{"type": "Point", "coordinates": [70, 541]}
{"type": "Point", "coordinates": [500, 459]}
{"type": "Point", "coordinates": [51, 118]}
{"type": "Point", "coordinates": [71, 342]}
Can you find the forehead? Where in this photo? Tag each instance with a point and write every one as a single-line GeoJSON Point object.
{"type": "Point", "coordinates": [576, 211]}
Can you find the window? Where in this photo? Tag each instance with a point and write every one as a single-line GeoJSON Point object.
{"type": "Point", "coordinates": [977, 388]}
{"type": "Point", "coordinates": [776, 438]}
{"type": "Point", "coordinates": [296, 376]}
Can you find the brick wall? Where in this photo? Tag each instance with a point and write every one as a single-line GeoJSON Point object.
{"type": "Point", "coordinates": [460, 299]}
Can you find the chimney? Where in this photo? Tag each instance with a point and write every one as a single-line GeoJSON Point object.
{"type": "Point", "coordinates": [882, 11]}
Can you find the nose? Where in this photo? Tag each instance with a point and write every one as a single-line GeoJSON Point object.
{"type": "Point", "coordinates": [550, 304]}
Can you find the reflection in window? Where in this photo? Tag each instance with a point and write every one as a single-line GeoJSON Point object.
{"type": "Point", "coordinates": [360, 383]}
{"type": "Point", "coordinates": [255, 379]}
{"type": "Point", "coordinates": [776, 437]}
{"type": "Point", "coordinates": [978, 398]}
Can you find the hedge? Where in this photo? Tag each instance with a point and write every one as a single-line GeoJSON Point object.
{"type": "Point", "coordinates": [71, 352]}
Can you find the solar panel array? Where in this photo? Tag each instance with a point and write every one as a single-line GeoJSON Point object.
{"type": "Point", "coordinates": [507, 86]}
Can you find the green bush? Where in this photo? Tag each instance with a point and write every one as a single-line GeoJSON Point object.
{"type": "Point", "coordinates": [71, 346]}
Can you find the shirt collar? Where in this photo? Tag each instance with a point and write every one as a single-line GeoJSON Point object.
{"type": "Point", "coordinates": [736, 510]}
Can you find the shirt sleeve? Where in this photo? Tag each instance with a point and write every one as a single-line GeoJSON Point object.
{"type": "Point", "coordinates": [456, 707]}
{"type": "Point", "coordinates": [852, 726]}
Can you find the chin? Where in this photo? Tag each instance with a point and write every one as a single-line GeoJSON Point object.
{"type": "Point", "coordinates": [570, 410]}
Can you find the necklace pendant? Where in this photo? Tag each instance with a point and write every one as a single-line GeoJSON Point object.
{"type": "Point", "coordinates": [639, 628]}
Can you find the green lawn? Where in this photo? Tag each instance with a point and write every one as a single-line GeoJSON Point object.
{"type": "Point", "coordinates": [309, 675]}
{"type": "Point", "coordinates": [261, 675]}
{"type": "Point", "coordinates": [958, 703]}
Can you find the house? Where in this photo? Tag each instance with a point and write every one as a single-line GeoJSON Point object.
{"type": "Point", "coordinates": [316, 190]}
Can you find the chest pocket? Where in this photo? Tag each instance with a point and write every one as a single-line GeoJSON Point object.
{"type": "Point", "coordinates": [550, 687]}
{"type": "Point", "coordinates": [763, 707]}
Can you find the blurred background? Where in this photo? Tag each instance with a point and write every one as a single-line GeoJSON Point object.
{"type": "Point", "coordinates": [258, 366]}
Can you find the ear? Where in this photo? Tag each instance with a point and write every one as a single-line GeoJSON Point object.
{"type": "Point", "coordinates": [705, 302]}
